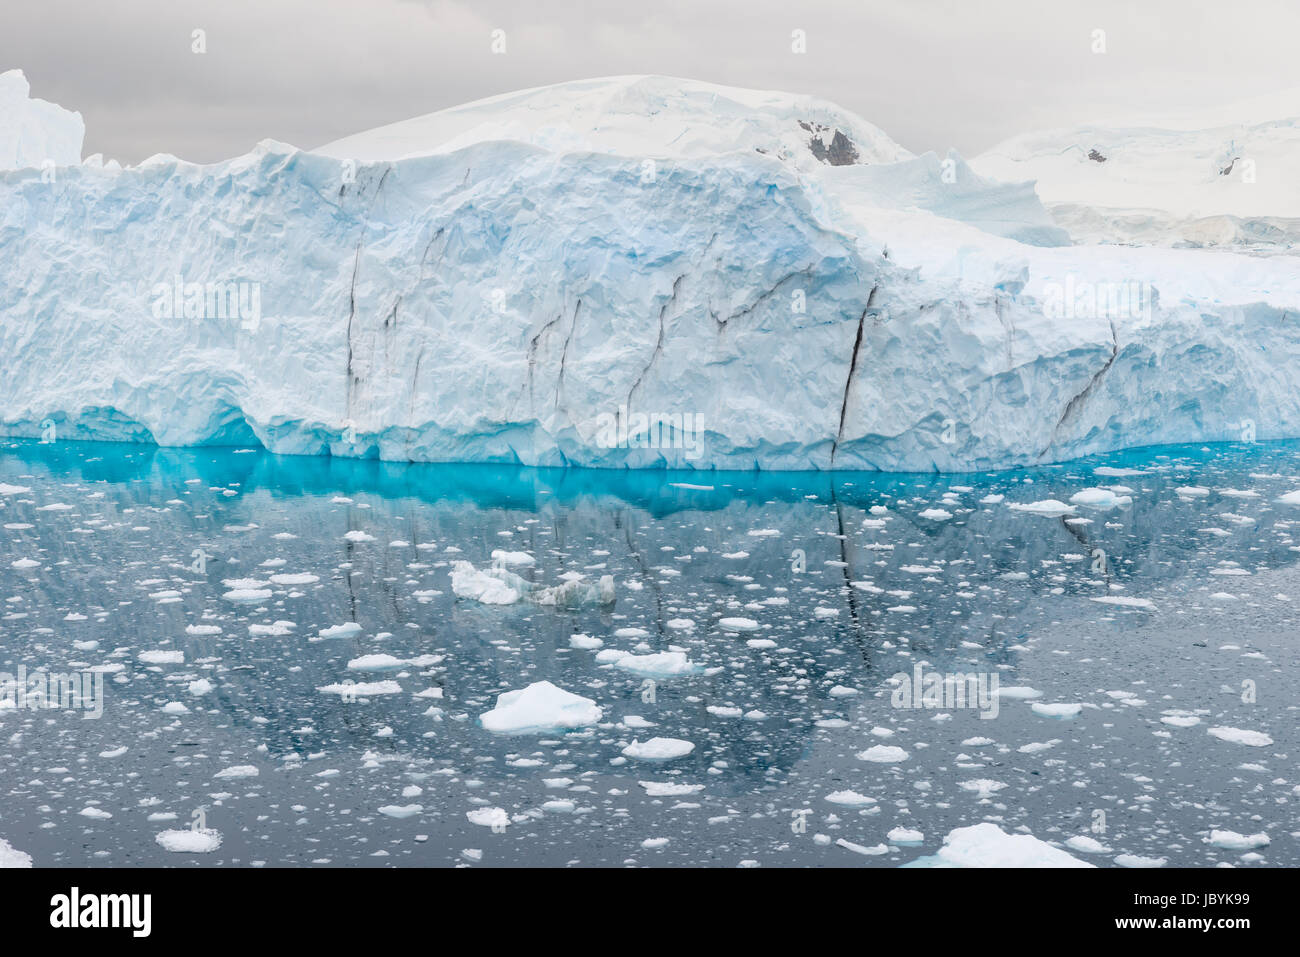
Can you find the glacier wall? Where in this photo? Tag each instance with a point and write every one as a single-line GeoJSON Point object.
{"type": "Point", "coordinates": [34, 132]}
{"type": "Point", "coordinates": [503, 302]}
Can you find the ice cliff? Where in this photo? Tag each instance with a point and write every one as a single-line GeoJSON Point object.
{"type": "Point", "coordinates": [534, 277]}
{"type": "Point", "coordinates": [33, 132]}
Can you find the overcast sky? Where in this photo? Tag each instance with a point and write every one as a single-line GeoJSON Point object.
{"type": "Point", "coordinates": [931, 73]}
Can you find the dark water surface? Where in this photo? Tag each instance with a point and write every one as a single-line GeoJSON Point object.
{"type": "Point", "coordinates": [1196, 540]}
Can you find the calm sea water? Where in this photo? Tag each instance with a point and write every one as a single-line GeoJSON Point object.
{"type": "Point", "coordinates": [800, 756]}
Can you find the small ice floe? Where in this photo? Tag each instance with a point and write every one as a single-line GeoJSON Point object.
{"type": "Point", "coordinates": [400, 811]}
{"type": "Point", "coordinates": [1100, 498]}
{"type": "Point", "coordinates": [302, 578]}
{"type": "Point", "coordinates": [935, 514]}
{"type": "Point", "coordinates": [345, 630]}
{"type": "Point", "coordinates": [1137, 861]}
{"type": "Point", "coordinates": [540, 707]}
{"type": "Point", "coordinates": [873, 851]}
{"type": "Point", "coordinates": [1125, 601]}
{"type": "Point", "coordinates": [98, 814]}
{"type": "Point", "coordinates": [114, 753]}
{"type": "Point", "coordinates": [277, 629]}
{"type": "Point", "coordinates": [883, 754]}
{"type": "Point", "coordinates": [203, 841]}
{"type": "Point", "coordinates": [737, 624]}
{"type": "Point", "coordinates": [11, 857]}
{"type": "Point", "coordinates": [200, 686]}
{"type": "Point", "coordinates": [1048, 508]}
{"type": "Point", "coordinates": [669, 788]}
{"type": "Point", "coordinates": [850, 799]}
{"type": "Point", "coordinates": [987, 845]}
{"type": "Point", "coordinates": [356, 535]}
{"type": "Point", "coordinates": [992, 499]}
{"type": "Point", "coordinates": [13, 489]}
{"type": "Point", "coordinates": [1191, 491]}
{"type": "Point", "coordinates": [493, 817]}
{"type": "Point", "coordinates": [162, 657]}
{"type": "Point", "coordinates": [904, 836]}
{"type": "Point", "coordinates": [842, 691]}
{"type": "Point", "coordinates": [361, 689]}
{"type": "Point", "coordinates": [237, 771]}
{"type": "Point", "coordinates": [24, 563]}
{"type": "Point", "coordinates": [1018, 692]}
{"type": "Point", "coordinates": [823, 612]}
{"type": "Point", "coordinates": [663, 664]}
{"type": "Point", "coordinates": [636, 721]}
{"type": "Point", "coordinates": [723, 711]}
{"type": "Point", "coordinates": [512, 558]}
{"type": "Point", "coordinates": [175, 707]}
{"type": "Point", "coordinates": [247, 595]}
{"type": "Point", "coordinates": [378, 663]}
{"type": "Point", "coordinates": [1290, 498]}
{"type": "Point", "coordinates": [680, 624]}
{"type": "Point", "coordinates": [763, 532]}
{"type": "Point", "coordinates": [983, 787]}
{"type": "Point", "coordinates": [560, 806]}
{"type": "Point", "coordinates": [1060, 712]}
{"type": "Point", "coordinates": [760, 644]}
{"type": "Point", "coordinates": [585, 642]}
{"type": "Point", "coordinates": [498, 586]}
{"type": "Point", "coordinates": [199, 631]}
{"type": "Point", "coordinates": [1180, 720]}
{"type": "Point", "coordinates": [1252, 739]}
{"type": "Point", "coordinates": [1086, 845]}
{"type": "Point", "coordinates": [658, 749]}
{"type": "Point", "coordinates": [1232, 841]}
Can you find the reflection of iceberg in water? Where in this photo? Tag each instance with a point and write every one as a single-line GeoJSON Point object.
{"type": "Point", "coordinates": [496, 585]}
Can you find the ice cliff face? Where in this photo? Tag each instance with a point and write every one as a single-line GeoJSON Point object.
{"type": "Point", "coordinates": [33, 132]}
{"type": "Point", "coordinates": [723, 274]}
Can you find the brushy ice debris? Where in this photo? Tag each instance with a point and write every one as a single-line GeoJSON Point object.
{"type": "Point", "coordinates": [850, 798]}
{"type": "Point", "coordinates": [238, 771]}
{"type": "Point", "coordinates": [11, 857]}
{"type": "Point", "coordinates": [1086, 845]}
{"type": "Point", "coordinates": [540, 707]}
{"type": "Point", "coordinates": [904, 836]}
{"type": "Point", "coordinates": [1049, 508]}
{"type": "Point", "coordinates": [203, 841]}
{"type": "Point", "coordinates": [1125, 601]}
{"type": "Point", "coordinates": [493, 817]}
{"type": "Point", "coordinates": [1058, 711]}
{"type": "Point", "coordinates": [659, 749]}
{"type": "Point", "coordinates": [497, 586]}
{"type": "Point", "coordinates": [162, 657]}
{"type": "Point", "coordinates": [669, 788]}
{"type": "Point", "coordinates": [873, 851]}
{"type": "Point", "coordinates": [737, 624]}
{"type": "Point", "coordinates": [1252, 739]}
{"type": "Point", "coordinates": [883, 754]}
{"type": "Point", "coordinates": [361, 689]}
{"type": "Point", "coordinates": [1232, 841]}
{"type": "Point", "coordinates": [663, 664]}
{"type": "Point", "coordinates": [1100, 498]}
{"type": "Point", "coordinates": [987, 845]}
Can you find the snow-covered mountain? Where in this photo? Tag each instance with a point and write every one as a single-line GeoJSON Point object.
{"type": "Point", "coordinates": [524, 278]}
{"type": "Point", "coordinates": [1229, 176]}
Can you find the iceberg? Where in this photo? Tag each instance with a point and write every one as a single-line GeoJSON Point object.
{"type": "Point", "coordinates": [540, 707]}
{"type": "Point", "coordinates": [632, 272]}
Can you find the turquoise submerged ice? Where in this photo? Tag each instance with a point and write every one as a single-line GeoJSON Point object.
{"type": "Point", "coordinates": [336, 710]}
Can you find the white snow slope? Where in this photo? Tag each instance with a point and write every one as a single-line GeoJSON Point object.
{"type": "Point", "coordinates": [498, 282]}
{"type": "Point", "coordinates": [1227, 176]}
